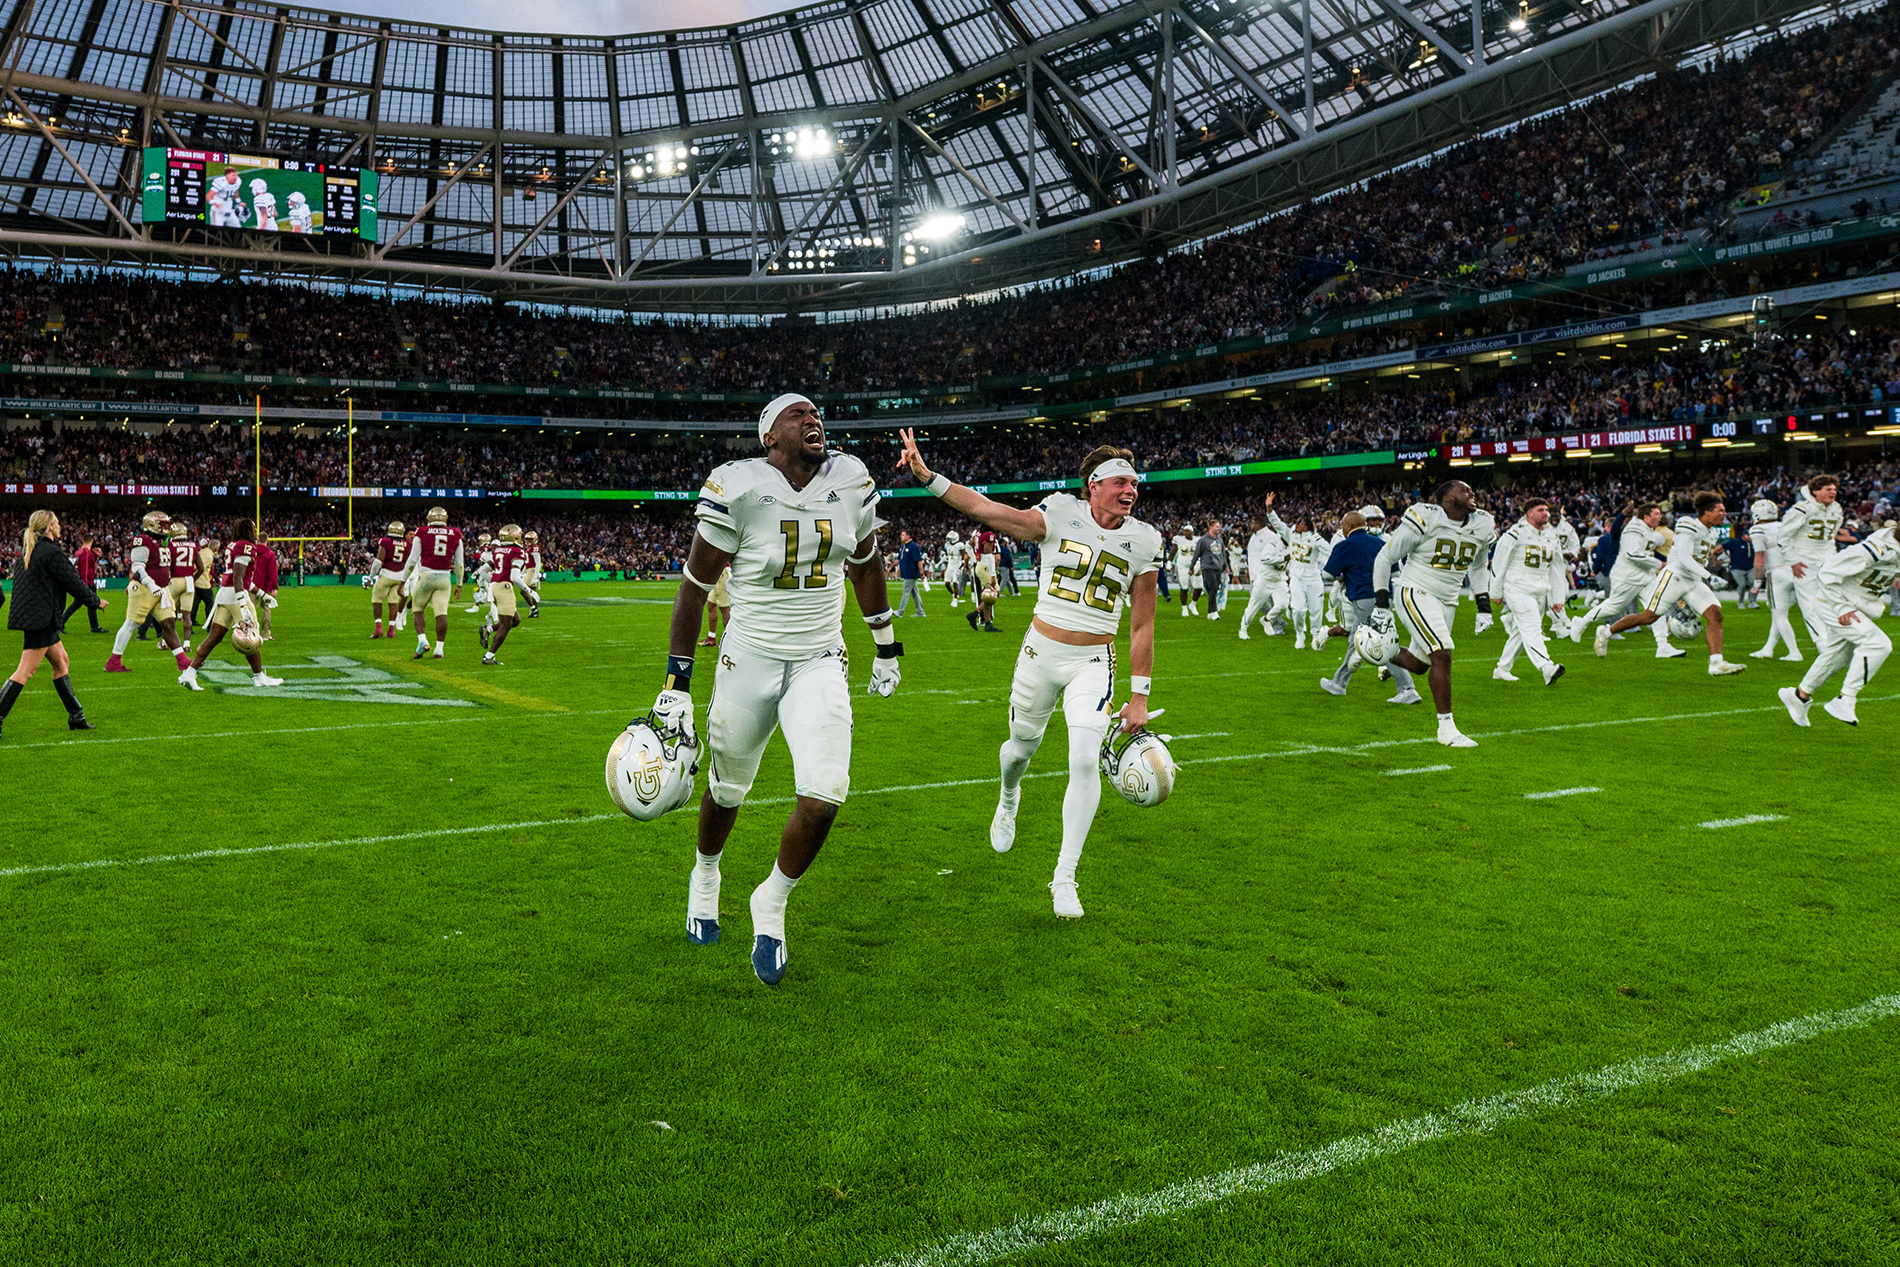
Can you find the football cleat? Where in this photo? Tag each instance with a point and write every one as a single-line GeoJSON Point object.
{"type": "Point", "coordinates": [702, 909]}
{"type": "Point", "coordinates": [1667, 652]}
{"type": "Point", "coordinates": [484, 637]}
{"type": "Point", "coordinates": [1003, 827]}
{"type": "Point", "coordinates": [1553, 673]}
{"type": "Point", "coordinates": [490, 659]}
{"type": "Point", "coordinates": [1244, 636]}
{"type": "Point", "coordinates": [1796, 706]}
{"type": "Point", "coordinates": [189, 680]}
{"type": "Point", "coordinates": [1504, 675]}
{"type": "Point", "coordinates": [1299, 641]}
{"type": "Point", "coordinates": [1456, 739]}
{"type": "Point", "coordinates": [702, 932]}
{"type": "Point", "coordinates": [533, 612]}
{"type": "Point", "coordinates": [1793, 657]}
{"type": "Point", "coordinates": [265, 679]}
{"type": "Point", "coordinates": [1068, 904]}
{"type": "Point", "coordinates": [1722, 668]}
{"type": "Point", "coordinates": [768, 959]}
{"type": "Point", "coordinates": [1331, 687]}
{"type": "Point", "coordinates": [1841, 708]}
{"type": "Point", "coordinates": [116, 665]}
{"type": "Point", "coordinates": [1603, 640]}
{"type": "Point", "coordinates": [1763, 654]}
{"type": "Point", "coordinates": [1410, 695]}
{"type": "Point", "coordinates": [472, 610]}
{"type": "Point", "coordinates": [1577, 625]}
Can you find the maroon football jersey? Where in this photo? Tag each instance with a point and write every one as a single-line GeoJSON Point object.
{"type": "Point", "coordinates": [389, 552]}
{"type": "Point", "coordinates": [157, 559]}
{"type": "Point", "coordinates": [244, 552]}
{"type": "Point", "coordinates": [508, 563]}
{"type": "Point", "coordinates": [184, 556]}
{"type": "Point", "coordinates": [440, 544]}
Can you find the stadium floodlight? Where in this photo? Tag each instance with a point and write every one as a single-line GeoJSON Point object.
{"type": "Point", "coordinates": [944, 224]}
{"type": "Point", "coordinates": [806, 142]}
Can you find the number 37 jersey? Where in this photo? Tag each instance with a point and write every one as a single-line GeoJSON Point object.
{"type": "Point", "coordinates": [788, 547]}
{"type": "Point", "coordinates": [1087, 569]}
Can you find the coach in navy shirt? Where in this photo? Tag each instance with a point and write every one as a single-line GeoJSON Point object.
{"type": "Point", "coordinates": [1351, 562]}
{"type": "Point", "coordinates": [910, 570]}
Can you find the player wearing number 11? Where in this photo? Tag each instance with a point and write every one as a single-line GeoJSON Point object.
{"type": "Point", "coordinates": [1096, 558]}
{"type": "Point", "coordinates": [796, 527]}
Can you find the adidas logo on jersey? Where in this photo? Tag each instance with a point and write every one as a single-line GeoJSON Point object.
{"type": "Point", "coordinates": [831, 496]}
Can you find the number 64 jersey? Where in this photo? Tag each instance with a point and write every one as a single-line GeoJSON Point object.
{"type": "Point", "coordinates": [788, 547]}
{"type": "Point", "coordinates": [1086, 568]}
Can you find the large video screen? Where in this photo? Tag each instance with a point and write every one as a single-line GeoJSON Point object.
{"type": "Point", "coordinates": [263, 195]}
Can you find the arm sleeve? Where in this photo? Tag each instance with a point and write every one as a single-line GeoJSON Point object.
{"type": "Point", "coordinates": [1507, 562]}
{"type": "Point", "coordinates": [461, 568]}
{"type": "Point", "coordinates": [1794, 522]}
{"type": "Point", "coordinates": [1480, 573]}
{"type": "Point", "coordinates": [1279, 527]}
{"type": "Point", "coordinates": [136, 562]}
{"type": "Point", "coordinates": [1403, 541]}
{"type": "Point", "coordinates": [1559, 582]}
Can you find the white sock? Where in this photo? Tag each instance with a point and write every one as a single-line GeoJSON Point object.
{"type": "Point", "coordinates": [768, 904]}
{"type": "Point", "coordinates": [441, 648]}
{"type": "Point", "coordinates": [1446, 723]}
{"type": "Point", "coordinates": [123, 638]}
{"type": "Point", "coordinates": [1656, 628]}
{"type": "Point", "coordinates": [1082, 799]}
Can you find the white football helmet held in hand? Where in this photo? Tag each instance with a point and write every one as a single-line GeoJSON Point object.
{"type": "Point", "coordinates": [1376, 644]}
{"type": "Point", "coordinates": [650, 769]}
{"type": "Point", "coordinates": [1139, 766]}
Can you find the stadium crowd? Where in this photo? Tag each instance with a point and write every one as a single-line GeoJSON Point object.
{"type": "Point", "coordinates": [1641, 167]}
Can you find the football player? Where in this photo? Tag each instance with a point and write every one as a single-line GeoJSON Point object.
{"type": "Point", "coordinates": [796, 526]}
{"type": "Point", "coordinates": [984, 617]}
{"type": "Point", "coordinates": [435, 553]}
{"type": "Point", "coordinates": [1684, 576]}
{"type": "Point", "coordinates": [718, 608]}
{"type": "Point", "coordinates": [1851, 589]}
{"type": "Point", "coordinates": [1773, 574]}
{"type": "Point", "coordinates": [234, 605]}
{"type": "Point", "coordinates": [224, 208]}
{"type": "Point", "coordinates": [1529, 576]}
{"type": "Point", "coordinates": [1096, 559]}
{"type": "Point", "coordinates": [507, 559]}
{"type": "Point", "coordinates": [1181, 550]}
{"type": "Point", "coordinates": [1267, 588]}
{"type": "Point", "coordinates": [385, 574]}
{"type": "Point", "coordinates": [955, 556]}
{"type": "Point", "coordinates": [1436, 545]}
{"type": "Point", "coordinates": [1635, 568]}
{"type": "Point", "coordinates": [148, 565]}
{"type": "Point", "coordinates": [531, 574]}
{"type": "Point", "coordinates": [184, 561]}
{"type": "Point", "coordinates": [299, 212]}
{"type": "Point", "coordinates": [1806, 535]}
{"type": "Point", "coordinates": [484, 574]}
{"type": "Point", "coordinates": [1305, 556]}
{"type": "Point", "coordinates": [264, 203]}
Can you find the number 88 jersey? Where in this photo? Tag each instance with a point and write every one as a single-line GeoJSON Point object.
{"type": "Point", "coordinates": [789, 547]}
{"type": "Point", "coordinates": [1087, 569]}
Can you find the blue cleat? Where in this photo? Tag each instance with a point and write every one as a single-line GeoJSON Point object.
{"type": "Point", "coordinates": [768, 959]}
{"type": "Point", "coordinates": [702, 932]}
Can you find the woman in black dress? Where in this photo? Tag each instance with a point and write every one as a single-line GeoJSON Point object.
{"type": "Point", "coordinates": [41, 583]}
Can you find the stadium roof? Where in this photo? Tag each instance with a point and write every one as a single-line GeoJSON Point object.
{"type": "Point", "coordinates": [845, 154]}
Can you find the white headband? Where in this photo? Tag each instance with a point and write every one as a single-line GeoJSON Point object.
{"type": "Point", "coordinates": [778, 405]}
{"type": "Point", "coordinates": [1112, 468]}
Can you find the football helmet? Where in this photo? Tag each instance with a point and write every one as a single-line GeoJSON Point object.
{"type": "Point", "coordinates": [1665, 540]}
{"type": "Point", "coordinates": [988, 594]}
{"type": "Point", "coordinates": [297, 199]}
{"type": "Point", "coordinates": [438, 514]}
{"type": "Point", "coordinates": [951, 537]}
{"type": "Point", "coordinates": [1139, 766]}
{"type": "Point", "coordinates": [483, 540]}
{"type": "Point", "coordinates": [1684, 624]}
{"type": "Point", "coordinates": [246, 636]}
{"type": "Point", "coordinates": [650, 768]}
{"type": "Point", "coordinates": [260, 185]}
{"type": "Point", "coordinates": [1763, 511]}
{"type": "Point", "coordinates": [510, 533]}
{"type": "Point", "coordinates": [395, 528]}
{"type": "Point", "coordinates": [531, 536]}
{"type": "Point", "coordinates": [154, 521]}
{"type": "Point", "coordinates": [1375, 646]}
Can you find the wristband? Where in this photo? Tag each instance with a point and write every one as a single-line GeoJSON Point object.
{"type": "Point", "coordinates": [939, 484]}
{"type": "Point", "coordinates": [883, 635]}
{"type": "Point", "coordinates": [1484, 603]}
{"type": "Point", "coordinates": [679, 673]}
{"type": "Point", "coordinates": [889, 650]}
{"type": "Point", "coordinates": [1382, 598]}
{"type": "Point", "coordinates": [1139, 685]}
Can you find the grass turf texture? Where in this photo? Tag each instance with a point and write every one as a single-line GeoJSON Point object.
{"type": "Point", "coordinates": [454, 1048]}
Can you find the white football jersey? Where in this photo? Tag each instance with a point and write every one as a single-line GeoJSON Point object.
{"type": "Point", "coordinates": [1434, 554]}
{"type": "Point", "coordinates": [1086, 568]}
{"type": "Point", "coordinates": [1307, 552]}
{"type": "Point", "coordinates": [1861, 576]}
{"type": "Point", "coordinates": [1183, 552]}
{"type": "Point", "coordinates": [1695, 545]}
{"type": "Point", "coordinates": [788, 547]}
{"type": "Point", "coordinates": [1568, 542]}
{"type": "Point", "coordinates": [1635, 551]}
{"type": "Point", "coordinates": [1266, 555]}
{"type": "Point", "coordinates": [1530, 562]}
{"type": "Point", "coordinates": [1766, 539]}
{"type": "Point", "coordinates": [1807, 529]}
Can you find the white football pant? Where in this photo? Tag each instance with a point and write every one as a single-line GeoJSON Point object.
{"type": "Point", "coordinates": [1308, 600]}
{"type": "Point", "coordinates": [1083, 679]}
{"type": "Point", "coordinates": [755, 694]}
{"type": "Point", "coordinates": [1524, 620]}
{"type": "Point", "coordinates": [1861, 648]}
{"type": "Point", "coordinates": [1781, 602]}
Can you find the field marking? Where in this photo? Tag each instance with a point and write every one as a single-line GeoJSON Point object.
{"type": "Point", "coordinates": [487, 690]}
{"type": "Point", "coordinates": [1715, 823]}
{"type": "Point", "coordinates": [288, 730]}
{"type": "Point", "coordinates": [1562, 791]}
{"type": "Point", "coordinates": [1472, 1117]}
{"type": "Point", "coordinates": [1418, 769]}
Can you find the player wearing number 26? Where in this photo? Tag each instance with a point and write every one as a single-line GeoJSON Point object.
{"type": "Point", "coordinates": [795, 526]}
{"type": "Point", "coordinates": [1096, 559]}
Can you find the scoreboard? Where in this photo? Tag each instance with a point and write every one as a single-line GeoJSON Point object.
{"type": "Point", "coordinates": [259, 194]}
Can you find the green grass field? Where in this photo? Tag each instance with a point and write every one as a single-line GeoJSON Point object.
{"type": "Point", "coordinates": [435, 1002]}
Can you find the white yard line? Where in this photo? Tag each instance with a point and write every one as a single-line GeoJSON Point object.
{"type": "Point", "coordinates": [1419, 769]}
{"type": "Point", "coordinates": [1472, 1117]}
{"type": "Point", "coordinates": [300, 730]}
{"type": "Point", "coordinates": [1562, 791]}
{"type": "Point", "coordinates": [1745, 821]}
